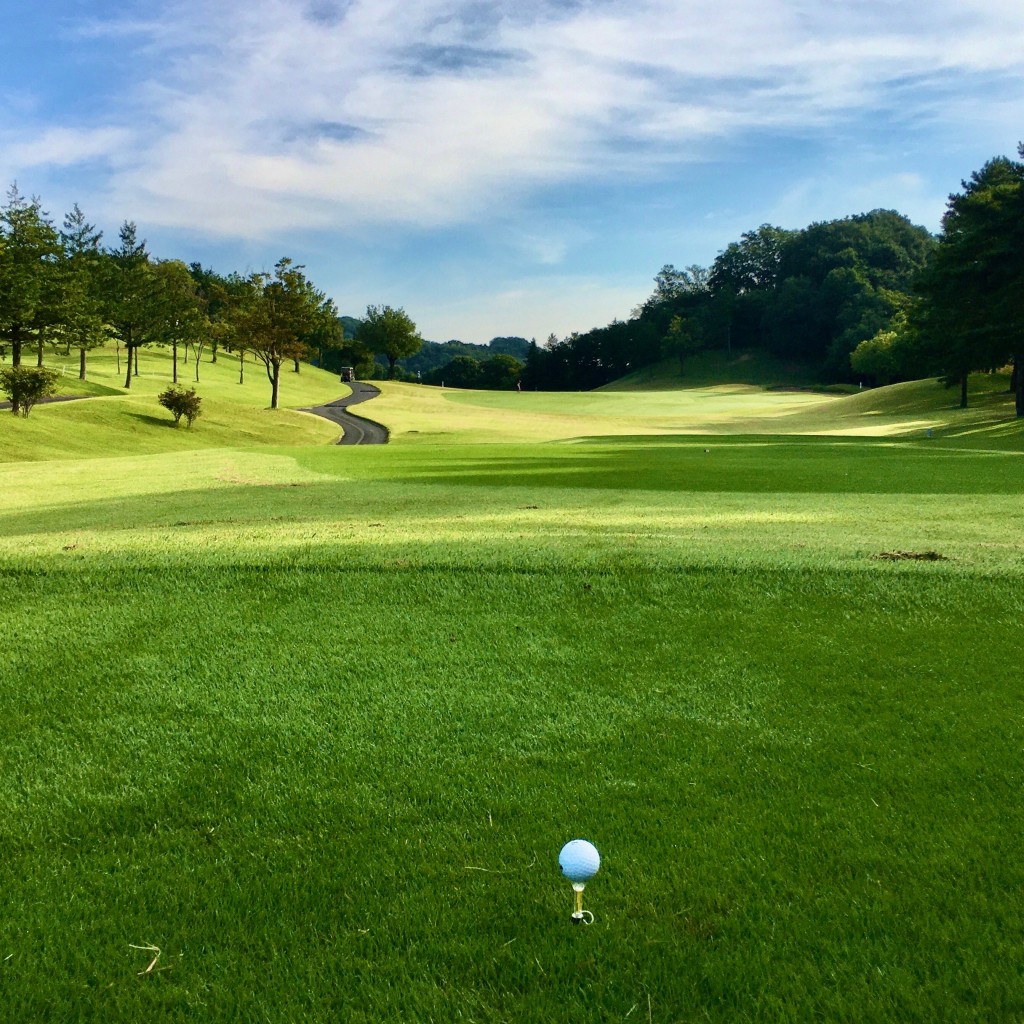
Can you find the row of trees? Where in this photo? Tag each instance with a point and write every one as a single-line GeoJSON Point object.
{"type": "Point", "coordinates": [63, 290]}
{"type": "Point", "coordinates": [869, 295]}
{"type": "Point", "coordinates": [500, 372]}
{"type": "Point", "coordinates": [808, 296]}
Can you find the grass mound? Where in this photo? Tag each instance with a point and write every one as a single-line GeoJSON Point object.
{"type": "Point", "coordinates": [115, 421]}
{"type": "Point", "coordinates": [428, 415]}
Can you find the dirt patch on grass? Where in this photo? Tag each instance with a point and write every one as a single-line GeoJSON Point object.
{"type": "Point", "coordinates": [911, 556]}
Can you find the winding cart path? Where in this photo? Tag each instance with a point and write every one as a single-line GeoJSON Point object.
{"type": "Point", "coordinates": [358, 429]}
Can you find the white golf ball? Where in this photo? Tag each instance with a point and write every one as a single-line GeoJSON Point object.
{"type": "Point", "coordinates": [579, 860]}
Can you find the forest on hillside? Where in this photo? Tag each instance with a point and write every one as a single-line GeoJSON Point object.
{"type": "Point", "coordinates": [809, 296]}
{"type": "Point", "coordinates": [867, 295]}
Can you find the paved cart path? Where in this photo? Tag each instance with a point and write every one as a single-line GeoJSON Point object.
{"type": "Point", "coordinates": [358, 429]}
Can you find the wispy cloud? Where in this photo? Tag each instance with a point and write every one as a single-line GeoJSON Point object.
{"type": "Point", "coordinates": [281, 114]}
{"type": "Point", "coordinates": [63, 147]}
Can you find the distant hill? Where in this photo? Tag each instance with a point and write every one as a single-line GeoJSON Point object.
{"type": "Point", "coordinates": [434, 355]}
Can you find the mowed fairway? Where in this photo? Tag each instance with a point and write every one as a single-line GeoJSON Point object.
{"type": "Point", "coordinates": [313, 722]}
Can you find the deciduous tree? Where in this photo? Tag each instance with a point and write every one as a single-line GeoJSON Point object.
{"type": "Point", "coordinates": [390, 332]}
{"type": "Point", "coordinates": [682, 341]}
{"type": "Point", "coordinates": [272, 315]}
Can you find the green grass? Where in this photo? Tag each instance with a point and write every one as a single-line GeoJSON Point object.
{"type": "Point", "coordinates": [115, 422]}
{"type": "Point", "coordinates": [316, 722]}
{"type": "Point", "coordinates": [713, 368]}
{"type": "Point", "coordinates": [427, 415]}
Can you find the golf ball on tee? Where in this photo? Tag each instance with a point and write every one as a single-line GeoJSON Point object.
{"type": "Point", "coordinates": [579, 860]}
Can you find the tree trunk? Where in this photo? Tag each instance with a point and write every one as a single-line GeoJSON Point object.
{"type": "Point", "coordinates": [213, 354]}
{"type": "Point", "coordinates": [241, 366]}
{"type": "Point", "coordinates": [274, 381]}
{"type": "Point", "coordinates": [136, 360]}
{"type": "Point", "coordinates": [15, 349]}
{"type": "Point", "coordinates": [128, 373]}
{"type": "Point", "coordinates": [1018, 369]}
{"type": "Point", "coordinates": [81, 364]}
{"type": "Point", "coordinates": [174, 361]}
{"type": "Point", "coordinates": [391, 367]}
{"type": "Point", "coordinates": [963, 391]}
{"type": "Point", "coordinates": [39, 352]}
{"type": "Point", "coordinates": [296, 362]}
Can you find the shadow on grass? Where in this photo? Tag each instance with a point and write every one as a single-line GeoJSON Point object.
{"type": "Point", "coordinates": [153, 421]}
{"type": "Point", "coordinates": [814, 466]}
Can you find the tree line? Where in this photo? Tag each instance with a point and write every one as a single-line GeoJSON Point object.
{"type": "Point", "coordinates": [871, 294]}
{"type": "Point", "coordinates": [808, 296]}
{"type": "Point", "coordinates": [866, 295]}
{"type": "Point", "coordinates": [63, 290]}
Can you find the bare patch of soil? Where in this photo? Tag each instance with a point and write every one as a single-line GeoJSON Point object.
{"type": "Point", "coordinates": [913, 556]}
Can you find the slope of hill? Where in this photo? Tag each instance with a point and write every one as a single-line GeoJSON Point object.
{"type": "Point", "coordinates": [750, 366]}
{"type": "Point", "coordinates": [114, 421]}
{"type": "Point", "coordinates": [417, 414]}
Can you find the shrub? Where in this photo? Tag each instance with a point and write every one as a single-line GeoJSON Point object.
{"type": "Point", "coordinates": [26, 385]}
{"type": "Point", "coordinates": [180, 402]}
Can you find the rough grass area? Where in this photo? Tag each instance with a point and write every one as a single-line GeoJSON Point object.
{"type": "Point", "coordinates": [298, 734]}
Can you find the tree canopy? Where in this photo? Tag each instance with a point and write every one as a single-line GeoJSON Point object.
{"type": "Point", "coordinates": [810, 296]}
{"type": "Point", "coordinates": [29, 251]}
{"type": "Point", "coordinates": [970, 312]}
{"type": "Point", "coordinates": [389, 332]}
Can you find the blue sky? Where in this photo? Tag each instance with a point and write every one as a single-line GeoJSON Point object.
{"type": "Point", "coordinates": [499, 167]}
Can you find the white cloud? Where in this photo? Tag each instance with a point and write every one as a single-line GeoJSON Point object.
{"type": "Point", "coordinates": [282, 114]}
{"type": "Point", "coordinates": [62, 147]}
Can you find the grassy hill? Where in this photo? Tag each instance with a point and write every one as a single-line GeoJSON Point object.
{"type": "Point", "coordinates": [118, 422]}
{"type": "Point", "coordinates": [426, 415]}
{"type": "Point", "coordinates": [114, 421]}
{"type": "Point", "coordinates": [712, 368]}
